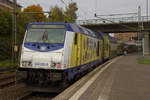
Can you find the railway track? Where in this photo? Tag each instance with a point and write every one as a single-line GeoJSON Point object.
{"type": "Point", "coordinates": [20, 92]}
{"type": "Point", "coordinates": [13, 92]}
{"type": "Point", "coordinates": [7, 80]}
{"type": "Point", "coordinates": [37, 96]}
{"type": "Point", "coordinates": [7, 77]}
{"type": "Point", "coordinates": [9, 90]}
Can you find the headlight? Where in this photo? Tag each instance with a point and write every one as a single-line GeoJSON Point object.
{"type": "Point", "coordinates": [26, 63]}
{"type": "Point", "coordinates": [54, 64]}
{"type": "Point", "coordinates": [42, 48]}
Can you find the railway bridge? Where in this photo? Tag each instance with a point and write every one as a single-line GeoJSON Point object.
{"type": "Point", "coordinates": [122, 25]}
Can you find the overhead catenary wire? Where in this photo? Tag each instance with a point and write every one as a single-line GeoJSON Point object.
{"type": "Point", "coordinates": [36, 12]}
{"type": "Point", "coordinates": [62, 1]}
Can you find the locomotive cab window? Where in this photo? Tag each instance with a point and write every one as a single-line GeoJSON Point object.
{"type": "Point", "coordinates": [46, 34]}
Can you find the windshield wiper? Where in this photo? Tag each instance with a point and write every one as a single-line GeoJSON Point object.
{"type": "Point", "coordinates": [45, 36]}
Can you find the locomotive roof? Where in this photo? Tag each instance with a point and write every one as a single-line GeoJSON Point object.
{"type": "Point", "coordinates": [71, 27]}
{"type": "Point", "coordinates": [99, 34]}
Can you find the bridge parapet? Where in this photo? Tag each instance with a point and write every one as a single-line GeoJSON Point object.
{"type": "Point", "coordinates": [112, 20]}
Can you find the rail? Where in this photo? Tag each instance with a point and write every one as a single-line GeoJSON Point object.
{"type": "Point", "coordinates": [7, 80]}
{"type": "Point", "coordinates": [7, 70]}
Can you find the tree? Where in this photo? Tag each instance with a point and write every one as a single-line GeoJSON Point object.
{"type": "Point", "coordinates": [38, 17]}
{"type": "Point", "coordinates": [57, 14]}
{"type": "Point", "coordinates": [5, 22]}
{"type": "Point", "coordinates": [5, 34]}
{"type": "Point", "coordinates": [22, 21]}
{"type": "Point", "coordinates": [3, 25]}
{"type": "Point", "coordinates": [70, 13]}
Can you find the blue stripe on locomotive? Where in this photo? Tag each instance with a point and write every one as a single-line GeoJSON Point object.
{"type": "Point", "coordinates": [48, 47]}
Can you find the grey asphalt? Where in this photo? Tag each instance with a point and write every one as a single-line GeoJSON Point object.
{"type": "Point", "coordinates": [123, 80]}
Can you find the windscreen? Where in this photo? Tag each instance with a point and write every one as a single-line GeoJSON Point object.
{"type": "Point", "coordinates": [46, 34]}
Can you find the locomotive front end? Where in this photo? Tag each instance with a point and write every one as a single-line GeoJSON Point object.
{"type": "Point", "coordinates": [42, 55]}
{"type": "Point", "coordinates": [43, 47]}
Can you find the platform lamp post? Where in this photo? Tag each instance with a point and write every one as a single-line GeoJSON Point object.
{"type": "Point", "coordinates": [139, 29]}
{"type": "Point", "coordinates": [14, 32]}
{"type": "Point", "coordinates": [147, 9]}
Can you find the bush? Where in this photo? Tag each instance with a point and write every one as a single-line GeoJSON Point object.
{"type": "Point", "coordinates": [5, 48]}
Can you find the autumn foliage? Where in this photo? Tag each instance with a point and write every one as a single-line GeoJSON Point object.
{"type": "Point", "coordinates": [34, 9]}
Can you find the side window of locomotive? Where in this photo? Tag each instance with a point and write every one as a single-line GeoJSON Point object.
{"type": "Point", "coordinates": [76, 38]}
{"type": "Point", "coordinates": [98, 48]}
{"type": "Point", "coordinates": [84, 43]}
{"type": "Point", "coordinates": [87, 43]}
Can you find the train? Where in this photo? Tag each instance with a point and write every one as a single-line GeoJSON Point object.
{"type": "Point", "coordinates": [55, 54]}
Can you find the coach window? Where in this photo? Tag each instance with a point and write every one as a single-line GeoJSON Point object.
{"type": "Point", "coordinates": [76, 38]}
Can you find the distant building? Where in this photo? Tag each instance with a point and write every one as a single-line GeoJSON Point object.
{"type": "Point", "coordinates": [7, 4]}
{"type": "Point", "coordinates": [132, 37]}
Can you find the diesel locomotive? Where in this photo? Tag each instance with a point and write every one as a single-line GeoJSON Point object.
{"type": "Point", "coordinates": [54, 54]}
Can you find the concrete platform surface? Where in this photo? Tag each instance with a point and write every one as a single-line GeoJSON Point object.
{"type": "Point", "coordinates": [124, 79]}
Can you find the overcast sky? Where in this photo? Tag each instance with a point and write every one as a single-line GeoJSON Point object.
{"type": "Point", "coordinates": [87, 8]}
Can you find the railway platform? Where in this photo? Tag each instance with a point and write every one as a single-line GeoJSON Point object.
{"type": "Point", "coordinates": [121, 79]}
